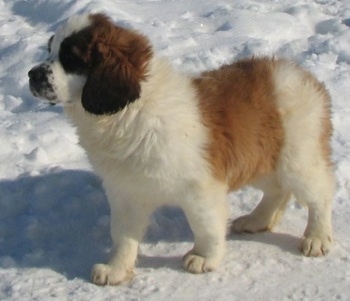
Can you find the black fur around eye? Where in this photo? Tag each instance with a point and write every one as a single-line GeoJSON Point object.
{"type": "Point", "coordinates": [70, 59]}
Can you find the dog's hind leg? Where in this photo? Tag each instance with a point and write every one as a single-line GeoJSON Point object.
{"type": "Point", "coordinates": [314, 185]}
{"type": "Point", "coordinates": [268, 212]}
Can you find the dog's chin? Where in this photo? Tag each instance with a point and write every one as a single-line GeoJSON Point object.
{"type": "Point", "coordinates": [51, 99]}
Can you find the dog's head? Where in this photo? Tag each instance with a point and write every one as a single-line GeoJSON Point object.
{"type": "Point", "coordinates": [93, 61]}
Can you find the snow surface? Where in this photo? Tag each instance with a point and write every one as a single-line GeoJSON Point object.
{"type": "Point", "coordinates": [54, 221]}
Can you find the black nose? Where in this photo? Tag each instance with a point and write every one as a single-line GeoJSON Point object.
{"type": "Point", "coordinates": [37, 74]}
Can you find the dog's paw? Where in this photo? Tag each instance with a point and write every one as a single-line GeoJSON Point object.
{"type": "Point", "coordinates": [104, 274]}
{"type": "Point", "coordinates": [250, 224]}
{"type": "Point", "coordinates": [197, 264]}
{"type": "Point", "coordinates": [315, 246]}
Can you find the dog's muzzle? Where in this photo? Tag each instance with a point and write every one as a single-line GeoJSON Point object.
{"type": "Point", "coordinates": [39, 83]}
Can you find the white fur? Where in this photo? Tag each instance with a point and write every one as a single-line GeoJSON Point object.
{"type": "Point", "coordinates": [302, 169]}
{"type": "Point", "coordinates": [75, 24]}
{"type": "Point", "coordinates": [152, 153]}
{"type": "Point", "coordinates": [67, 87]}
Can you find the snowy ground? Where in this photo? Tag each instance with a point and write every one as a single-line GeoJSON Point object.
{"type": "Point", "coordinates": [53, 213]}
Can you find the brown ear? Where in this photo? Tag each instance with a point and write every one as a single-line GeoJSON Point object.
{"type": "Point", "coordinates": [118, 61]}
{"type": "Point", "coordinates": [109, 89]}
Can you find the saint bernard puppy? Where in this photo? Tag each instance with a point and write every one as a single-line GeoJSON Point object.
{"type": "Point", "coordinates": [157, 136]}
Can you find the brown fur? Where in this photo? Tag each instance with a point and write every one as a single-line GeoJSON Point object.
{"type": "Point", "coordinates": [117, 60]}
{"type": "Point", "coordinates": [261, 115]}
{"type": "Point", "coordinates": [128, 50]}
{"type": "Point", "coordinates": [237, 103]}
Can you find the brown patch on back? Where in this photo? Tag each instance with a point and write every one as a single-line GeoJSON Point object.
{"type": "Point", "coordinates": [238, 107]}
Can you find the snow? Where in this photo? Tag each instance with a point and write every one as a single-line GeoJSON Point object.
{"type": "Point", "coordinates": [54, 219]}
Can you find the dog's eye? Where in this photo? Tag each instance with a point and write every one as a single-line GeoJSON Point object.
{"type": "Point", "coordinates": [49, 44]}
{"type": "Point", "coordinates": [70, 58]}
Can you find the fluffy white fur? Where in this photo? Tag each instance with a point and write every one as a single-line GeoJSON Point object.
{"type": "Point", "coordinates": [302, 169]}
{"type": "Point", "coordinates": [152, 153]}
{"type": "Point", "coordinates": [145, 163]}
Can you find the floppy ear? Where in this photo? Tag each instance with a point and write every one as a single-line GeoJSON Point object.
{"type": "Point", "coordinates": [117, 65]}
{"type": "Point", "coordinates": [109, 88]}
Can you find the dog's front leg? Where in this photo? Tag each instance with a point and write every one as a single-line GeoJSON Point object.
{"type": "Point", "coordinates": [207, 215]}
{"type": "Point", "coordinates": [128, 222]}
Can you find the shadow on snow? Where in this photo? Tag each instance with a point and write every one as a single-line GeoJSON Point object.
{"type": "Point", "coordinates": [60, 220]}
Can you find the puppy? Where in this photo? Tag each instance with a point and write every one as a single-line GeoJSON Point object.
{"type": "Point", "coordinates": [156, 136]}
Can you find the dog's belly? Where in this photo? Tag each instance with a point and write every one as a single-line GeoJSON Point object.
{"type": "Point", "coordinates": [155, 187]}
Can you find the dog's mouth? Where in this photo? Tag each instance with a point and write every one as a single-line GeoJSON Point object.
{"type": "Point", "coordinates": [39, 85]}
{"type": "Point", "coordinates": [43, 91]}
{"type": "Point", "coordinates": [43, 94]}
